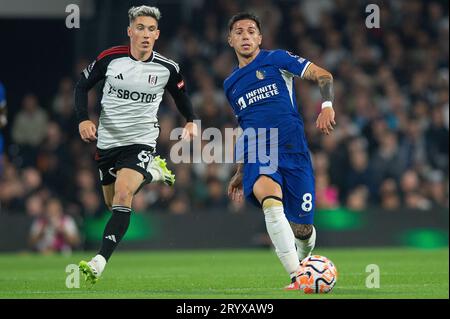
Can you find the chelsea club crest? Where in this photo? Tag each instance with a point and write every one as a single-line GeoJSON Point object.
{"type": "Point", "coordinates": [260, 74]}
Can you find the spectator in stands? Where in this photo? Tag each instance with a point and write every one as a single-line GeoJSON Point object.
{"type": "Point", "coordinates": [91, 205]}
{"type": "Point", "coordinates": [215, 194]}
{"type": "Point", "coordinates": [179, 205]}
{"type": "Point", "coordinates": [29, 128]}
{"type": "Point", "coordinates": [387, 162]}
{"type": "Point", "coordinates": [358, 198]}
{"type": "Point", "coordinates": [327, 196]}
{"type": "Point", "coordinates": [437, 189]}
{"type": "Point", "coordinates": [54, 160]}
{"type": "Point", "coordinates": [436, 138]}
{"type": "Point", "coordinates": [34, 205]}
{"type": "Point", "coordinates": [359, 172]}
{"type": "Point", "coordinates": [389, 195]}
{"type": "Point", "coordinates": [31, 180]}
{"type": "Point", "coordinates": [63, 109]}
{"type": "Point", "coordinates": [11, 188]}
{"type": "Point", "coordinates": [30, 124]}
{"type": "Point", "coordinates": [54, 231]}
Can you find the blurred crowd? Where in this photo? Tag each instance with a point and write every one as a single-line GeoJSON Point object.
{"type": "Point", "coordinates": [389, 149]}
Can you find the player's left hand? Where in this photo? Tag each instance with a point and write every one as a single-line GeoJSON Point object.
{"type": "Point", "coordinates": [235, 187]}
{"type": "Point", "coordinates": [325, 121]}
{"type": "Point", "coordinates": [190, 131]}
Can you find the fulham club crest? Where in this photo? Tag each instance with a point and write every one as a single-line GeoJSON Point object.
{"type": "Point", "coordinates": [152, 79]}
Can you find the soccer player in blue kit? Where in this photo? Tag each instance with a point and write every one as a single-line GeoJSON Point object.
{"type": "Point", "coordinates": [261, 93]}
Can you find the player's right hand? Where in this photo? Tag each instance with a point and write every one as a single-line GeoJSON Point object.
{"type": "Point", "coordinates": [235, 191]}
{"type": "Point", "coordinates": [87, 131]}
{"type": "Point", "coordinates": [325, 121]}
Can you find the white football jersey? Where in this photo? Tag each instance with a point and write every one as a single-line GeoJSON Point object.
{"type": "Point", "coordinates": [132, 93]}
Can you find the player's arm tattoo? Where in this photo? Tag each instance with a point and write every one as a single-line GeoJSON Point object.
{"type": "Point", "coordinates": [326, 87]}
{"type": "Point", "coordinates": [323, 78]}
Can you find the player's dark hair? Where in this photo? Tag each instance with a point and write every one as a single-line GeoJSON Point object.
{"type": "Point", "coordinates": [244, 16]}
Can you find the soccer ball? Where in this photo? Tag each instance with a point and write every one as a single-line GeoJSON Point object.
{"type": "Point", "coordinates": [318, 275]}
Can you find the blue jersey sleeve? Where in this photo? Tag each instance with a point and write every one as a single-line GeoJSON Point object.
{"type": "Point", "coordinates": [290, 62]}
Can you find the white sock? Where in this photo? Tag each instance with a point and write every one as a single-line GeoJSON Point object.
{"type": "Point", "coordinates": [305, 246]}
{"type": "Point", "coordinates": [100, 263]}
{"type": "Point", "coordinates": [282, 237]}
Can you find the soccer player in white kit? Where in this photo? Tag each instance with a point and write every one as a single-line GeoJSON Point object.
{"type": "Point", "coordinates": [135, 78]}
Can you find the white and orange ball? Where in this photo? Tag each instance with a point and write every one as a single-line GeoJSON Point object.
{"type": "Point", "coordinates": [318, 275]}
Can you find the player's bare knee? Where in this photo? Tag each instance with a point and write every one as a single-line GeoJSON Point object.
{"type": "Point", "coordinates": [302, 231]}
{"type": "Point", "coordinates": [264, 187]}
{"type": "Point", "coordinates": [122, 196]}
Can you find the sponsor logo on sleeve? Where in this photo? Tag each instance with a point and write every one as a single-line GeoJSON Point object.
{"type": "Point", "coordinates": [292, 54]}
{"type": "Point", "coordinates": [88, 69]}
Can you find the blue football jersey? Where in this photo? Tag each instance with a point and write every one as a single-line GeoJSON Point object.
{"type": "Point", "coordinates": [262, 96]}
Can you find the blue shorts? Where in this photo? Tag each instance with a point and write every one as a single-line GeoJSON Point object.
{"type": "Point", "coordinates": [295, 175]}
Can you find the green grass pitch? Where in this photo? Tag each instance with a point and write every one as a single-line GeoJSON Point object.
{"type": "Point", "coordinates": [224, 274]}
